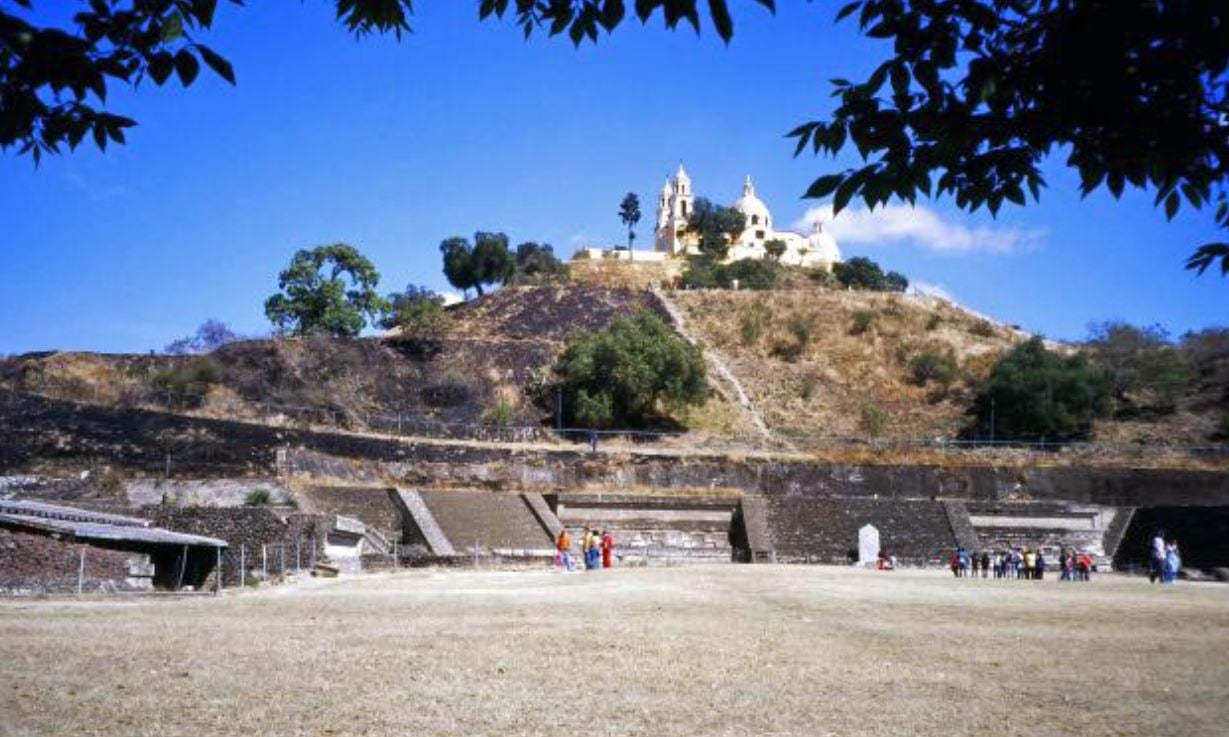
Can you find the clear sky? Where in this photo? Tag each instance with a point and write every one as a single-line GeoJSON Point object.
{"type": "Point", "coordinates": [463, 126]}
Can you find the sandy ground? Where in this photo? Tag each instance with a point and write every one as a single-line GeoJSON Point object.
{"type": "Point", "coordinates": [720, 650]}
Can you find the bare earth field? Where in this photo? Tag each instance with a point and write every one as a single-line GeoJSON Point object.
{"type": "Point", "coordinates": [722, 650]}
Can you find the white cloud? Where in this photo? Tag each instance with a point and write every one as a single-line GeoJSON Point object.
{"type": "Point", "coordinates": [451, 298]}
{"type": "Point", "coordinates": [918, 226]}
{"type": "Point", "coordinates": [926, 289]}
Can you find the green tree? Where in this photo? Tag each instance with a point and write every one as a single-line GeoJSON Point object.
{"type": "Point", "coordinates": [417, 312]}
{"type": "Point", "coordinates": [629, 213]}
{"type": "Point", "coordinates": [486, 261]}
{"type": "Point", "coordinates": [1037, 394]}
{"type": "Point", "coordinates": [536, 264]}
{"type": "Point", "coordinates": [210, 336]}
{"type": "Point", "coordinates": [862, 273]}
{"type": "Point", "coordinates": [715, 226]}
{"type": "Point", "coordinates": [329, 289]}
{"type": "Point", "coordinates": [629, 373]}
{"type": "Point", "coordinates": [1146, 368]}
{"type": "Point", "coordinates": [775, 249]}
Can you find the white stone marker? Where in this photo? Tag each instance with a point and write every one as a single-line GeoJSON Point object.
{"type": "Point", "coordinates": [868, 546]}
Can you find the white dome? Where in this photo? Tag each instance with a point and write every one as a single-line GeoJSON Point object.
{"type": "Point", "coordinates": [753, 207]}
{"type": "Point", "coordinates": [823, 246]}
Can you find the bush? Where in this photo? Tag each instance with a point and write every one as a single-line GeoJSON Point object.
{"type": "Point", "coordinates": [501, 415]}
{"type": "Point", "coordinates": [752, 274]}
{"type": "Point", "coordinates": [1147, 369]}
{"type": "Point", "coordinates": [872, 420]}
{"type": "Point", "coordinates": [259, 497]}
{"type": "Point", "coordinates": [627, 374]}
{"type": "Point", "coordinates": [186, 384]}
{"type": "Point", "coordinates": [752, 322]}
{"type": "Point", "coordinates": [933, 322]}
{"type": "Point", "coordinates": [862, 322]}
{"type": "Point", "coordinates": [862, 273]}
{"type": "Point", "coordinates": [418, 313]}
{"type": "Point", "coordinates": [1038, 394]}
{"type": "Point", "coordinates": [982, 329]}
{"type": "Point", "coordinates": [801, 327]}
{"type": "Point", "coordinates": [932, 366]}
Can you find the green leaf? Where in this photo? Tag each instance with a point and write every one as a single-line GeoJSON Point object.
{"type": "Point", "coordinates": [219, 65]}
{"type": "Point", "coordinates": [1171, 205]}
{"type": "Point", "coordinates": [161, 66]}
{"type": "Point", "coordinates": [848, 10]}
{"type": "Point", "coordinates": [824, 186]}
{"type": "Point", "coordinates": [721, 19]}
{"type": "Point", "coordinates": [186, 66]}
{"type": "Point", "coordinates": [172, 28]}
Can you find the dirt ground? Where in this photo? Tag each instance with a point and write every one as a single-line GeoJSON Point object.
{"type": "Point", "coordinates": [720, 650]}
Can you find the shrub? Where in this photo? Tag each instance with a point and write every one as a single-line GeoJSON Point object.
{"type": "Point", "coordinates": [417, 312]}
{"type": "Point", "coordinates": [862, 321]}
{"type": "Point", "coordinates": [862, 273]}
{"type": "Point", "coordinates": [1037, 394]}
{"type": "Point", "coordinates": [801, 328]}
{"type": "Point", "coordinates": [933, 322]}
{"type": "Point", "coordinates": [502, 414]}
{"type": "Point", "coordinates": [628, 373]}
{"type": "Point", "coordinates": [752, 274]}
{"type": "Point", "coordinates": [187, 383]}
{"type": "Point", "coordinates": [982, 329]}
{"type": "Point", "coordinates": [752, 322]}
{"type": "Point", "coordinates": [933, 366]}
{"type": "Point", "coordinates": [258, 497]}
{"type": "Point", "coordinates": [872, 420]}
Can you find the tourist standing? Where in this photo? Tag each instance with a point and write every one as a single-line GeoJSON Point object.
{"type": "Point", "coordinates": [1173, 562]}
{"type": "Point", "coordinates": [595, 548]}
{"type": "Point", "coordinates": [585, 539]}
{"type": "Point", "coordinates": [1156, 550]}
{"type": "Point", "coordinates": [607, 548]}
{"type": "Point", "coordinates": [1039, 566]}
{"type": "Point", "coordinates": [974, 562]}
{"type": "Point", "coordinates": [593, 440]}
{"type": "Point", "coordinates": [985, 564]}
{"type": "Point", "coordinates": [1083, 566]}
{"type": "Point", "coordinates": [563, 550]}
{"type": "Point", "coordinates": [1030, 564]}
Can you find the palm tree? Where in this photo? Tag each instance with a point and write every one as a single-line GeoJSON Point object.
{"type": "Point", "coordinates": [629, 213]}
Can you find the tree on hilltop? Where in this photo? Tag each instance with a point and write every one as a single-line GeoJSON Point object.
{"type": "Point", "coordinates": [536, 264]}
{"type": "Point", "coordinates": [210, 336]}
{"type": "Point", "coordinates": [1034, 393]}
{"type": "Point", "coordinates": [629, 373]}
{"type": "Point", "coordinates": [629, 213]}
{"type": "Point", "coordinates": [862, 273]}
{"type": "Point", "coordinates": [486, 261]}
{"type": "Point", "coordinates": [327, 290]}
{"type": "Point", "coordinates": [715, 226]}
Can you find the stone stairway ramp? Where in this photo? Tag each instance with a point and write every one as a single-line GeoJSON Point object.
{"type": "Point", "coordinates": [716, 362]}
{"type": "Point", "coordinates": [957, 514]}
{"type": "Point", "coordinates": [493, 522]}
{"type": "Point", "coordinates": [420, 516]}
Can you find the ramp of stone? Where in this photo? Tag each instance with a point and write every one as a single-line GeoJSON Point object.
{"type": "Point", "coordinates": [370, 505]}
{"type": "Point", "coordinates": [420, 526]}
{"type": "Point", "coordinates": [494, 521]}
{"type": "Point", "coordinates": [682, 529]}
{"type": "Point", "coordinates": [825, 529]}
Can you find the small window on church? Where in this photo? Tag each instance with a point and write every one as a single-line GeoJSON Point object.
{"type": "Point", "coordinates": [684, 209]}
{"type": "Point", "coordinates": [759, 234]}
{"type": "Point", "coordinates": [755, 219]}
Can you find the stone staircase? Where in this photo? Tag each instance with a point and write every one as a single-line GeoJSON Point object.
{"type": "Point", "coordinates": [656, 529]}
{"type": "Point", "coordinates": [1048, 526]}
{"type": "Point", "coordinates": [499, 523]}
{"type": "Point", "coordinates": [420, 523]}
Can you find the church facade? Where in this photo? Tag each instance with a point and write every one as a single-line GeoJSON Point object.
{"type": "Point", "coordinates": [676, 202]}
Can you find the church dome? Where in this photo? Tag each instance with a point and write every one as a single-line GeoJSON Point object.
{"type": "Point", "coordinates": [753, 207]}
{"type": "Point", "coordinates": [822, 246]}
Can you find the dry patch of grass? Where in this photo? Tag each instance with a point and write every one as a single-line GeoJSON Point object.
{"type": "Point", "coordinates": [722, 650]}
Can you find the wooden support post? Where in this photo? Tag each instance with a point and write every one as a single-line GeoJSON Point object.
{"type": "Point", "coordinates": [183, 565]}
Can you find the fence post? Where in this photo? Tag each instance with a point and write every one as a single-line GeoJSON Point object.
{"type": "Point", "coordinates": [298, 559]}
{"type": "Point", "coordinates": [312, 557]}
{"type": "Point", "coordinates": [264, 562]}
{"type": "Point", "coordinates": [282, 549]}
{"type": "Point", "coordinates": [217, 579]}
{"type": "Point", "coordinates": [81, 572]}
{"type": "Point", "coordinates": [243, 570]}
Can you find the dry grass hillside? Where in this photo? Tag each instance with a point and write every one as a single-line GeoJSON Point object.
{"type": "Point", "coordinates": [837, 364]}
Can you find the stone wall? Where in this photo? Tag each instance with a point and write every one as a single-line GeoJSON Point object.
{"type": "Point", "coordinates": [39, 564]}
{"type": "Point", "coordinates": [815, 529]}
{"type": "Point", "coordinates": [246, 530]}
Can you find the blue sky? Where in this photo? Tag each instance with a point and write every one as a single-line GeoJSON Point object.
{"type": "Point", "coordinates": [463, 126]}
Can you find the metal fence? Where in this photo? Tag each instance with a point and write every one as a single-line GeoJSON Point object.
{"type": "Point", "coordinates": [406, 424]}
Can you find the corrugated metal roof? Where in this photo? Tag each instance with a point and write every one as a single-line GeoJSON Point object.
{"type": "Point", "coordinates": [57, 511]}
{"type": "Point", "coordinates": [102, 531]}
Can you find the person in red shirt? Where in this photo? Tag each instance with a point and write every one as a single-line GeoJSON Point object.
{"type": "Point", "coordinates": [607, 548]}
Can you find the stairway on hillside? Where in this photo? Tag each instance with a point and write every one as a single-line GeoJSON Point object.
{"type": "Point", "coordinates": [717, 363]}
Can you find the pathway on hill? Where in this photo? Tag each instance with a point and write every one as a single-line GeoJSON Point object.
{"type": "Point", "coordinates": [717, 362]}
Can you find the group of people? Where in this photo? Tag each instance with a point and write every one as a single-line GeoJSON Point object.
{"type": "Point", "coordinates": [1022, 565]}
{"type": "Point", "coordinates": [1165, 561]}
{"type": "Point", "coordinates": [596, 546]}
